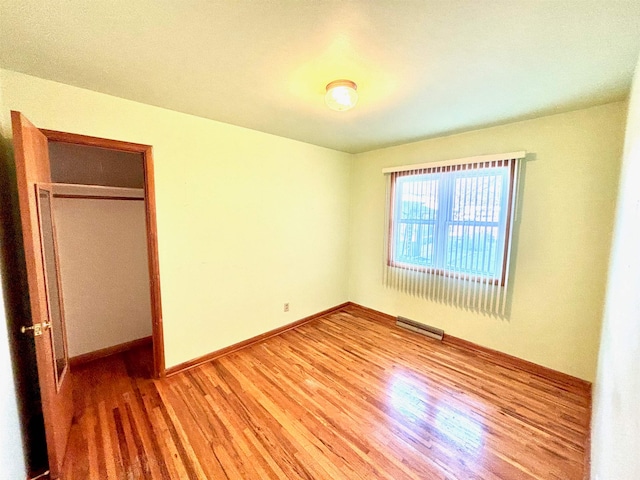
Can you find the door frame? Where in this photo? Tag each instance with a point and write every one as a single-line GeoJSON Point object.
{"type": "Point", "coordinates": [157, 334]}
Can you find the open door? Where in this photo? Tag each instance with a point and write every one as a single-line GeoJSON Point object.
{"type": "Point", "coordinates": [32, 167]}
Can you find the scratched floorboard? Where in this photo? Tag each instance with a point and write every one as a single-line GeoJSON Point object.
{"type": "Point", "coordinates": [342, 397]}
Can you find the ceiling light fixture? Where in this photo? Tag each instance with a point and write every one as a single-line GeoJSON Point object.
{"type": "Point", "coordinates": [341, 95]}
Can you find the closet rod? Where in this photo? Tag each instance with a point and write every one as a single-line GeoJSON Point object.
{"type": "Point", "coordinates": [95, 197]}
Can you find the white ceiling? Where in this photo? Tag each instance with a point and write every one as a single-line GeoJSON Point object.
{"type": "Point", "coordinates": [423, 68]}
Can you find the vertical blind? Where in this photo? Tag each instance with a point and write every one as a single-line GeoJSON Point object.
{"type": "Point", "coordinates": [449, 228]}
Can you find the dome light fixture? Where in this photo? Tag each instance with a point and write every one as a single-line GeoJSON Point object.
{"type": "Point", "coordinates": [341, 95]}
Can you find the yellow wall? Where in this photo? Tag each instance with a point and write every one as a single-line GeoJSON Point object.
{"type": "Point", "coordinates": [246, 221]}
{"type": "Point", "coordinates": [562, 235]}
{"type": "Point", "coordinates": [616, 407]}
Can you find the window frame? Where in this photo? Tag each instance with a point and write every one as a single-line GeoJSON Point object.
{"type": "Point", "coordinates": [501, 273]}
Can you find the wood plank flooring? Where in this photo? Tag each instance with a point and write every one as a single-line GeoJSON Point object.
{"type": "Point", "coordinates": [343, 397]}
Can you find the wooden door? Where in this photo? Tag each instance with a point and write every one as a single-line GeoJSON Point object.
{"type": "Point", "coordinates": [32, 167]}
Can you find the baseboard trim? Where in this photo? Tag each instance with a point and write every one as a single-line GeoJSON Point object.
{"type": "Point", "coordinates": [108, 351]}
{"type": "Point", "coordinates": [525, 365]}
{"type": "Point", "coordinates": [490, 354]}
{"type": "Point", "coordinates": [250, 341]}
{"type": "Point", "coordinates": [371, 313]}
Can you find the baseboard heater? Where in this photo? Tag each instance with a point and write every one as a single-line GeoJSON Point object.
{"type": "Point", "coordinates": [420, 328]}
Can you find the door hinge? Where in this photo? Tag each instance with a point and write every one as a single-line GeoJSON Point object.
{"type": "Point", "coordinates": [37, 328]}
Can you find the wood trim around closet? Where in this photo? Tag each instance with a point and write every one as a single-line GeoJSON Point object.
{"type": "Point", "coordinates": [151, 224]}
{"type": "Point", "coordinates": [77, 139]}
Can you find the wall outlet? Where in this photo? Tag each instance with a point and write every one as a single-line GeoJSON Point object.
{"type": "Point", "coordinates": [286, 307]}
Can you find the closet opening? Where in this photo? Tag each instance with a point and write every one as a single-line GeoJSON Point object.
{"type": "Point", "coordinates": [103, 210]}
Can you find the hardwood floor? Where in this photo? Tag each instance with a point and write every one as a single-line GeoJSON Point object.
{"type": "Point", "coordinates": [342, 397]}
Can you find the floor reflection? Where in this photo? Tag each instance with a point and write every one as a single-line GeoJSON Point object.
{"type": "Point", "coordinates": [412, 402]}
{"type": "Point", "coordinates": [406, 398]}
{"type": "Point", "coordinates": [460, 429]}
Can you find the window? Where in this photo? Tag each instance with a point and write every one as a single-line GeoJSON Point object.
{"type": "Point", "coordinates": [452, 222]}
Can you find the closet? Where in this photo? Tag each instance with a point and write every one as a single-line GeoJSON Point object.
{"type": "Point", "coordinates": [98, 210]}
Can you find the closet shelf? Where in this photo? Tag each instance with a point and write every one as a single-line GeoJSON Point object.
{"type": "Point", "coordinates": [98, 191]}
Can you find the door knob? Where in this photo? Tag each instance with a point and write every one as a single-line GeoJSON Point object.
{"type": "Point", "coordinates": [37, 328]}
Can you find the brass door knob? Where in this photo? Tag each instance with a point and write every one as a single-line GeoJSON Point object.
{"type": "Point", "coordinates": [37, 328]}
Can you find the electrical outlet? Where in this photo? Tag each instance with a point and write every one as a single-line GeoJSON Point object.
{"type": "Point", "coordinates": [286, 307]}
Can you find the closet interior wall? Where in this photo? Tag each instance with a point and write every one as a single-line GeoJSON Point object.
{"type": "Point", "coordinates": [99, 211]}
